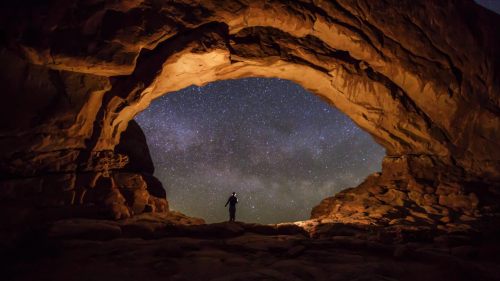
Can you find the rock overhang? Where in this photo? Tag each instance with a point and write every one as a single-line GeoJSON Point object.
{"type": "Point", "coordinates": [419, 77]}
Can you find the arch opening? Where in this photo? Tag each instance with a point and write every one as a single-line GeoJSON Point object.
{"type": "Point", "coordinates": [279, 147]}
{"type": "Point", "coordinates": [426, 90]}
{"type": "Point", "coordinates": [421, 77]}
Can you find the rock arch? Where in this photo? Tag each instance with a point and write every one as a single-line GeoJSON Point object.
{"type": "Point", "coordinates": [421, 77]}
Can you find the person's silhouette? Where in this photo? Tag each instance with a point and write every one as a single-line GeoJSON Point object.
{"type": "Point", "coordinates": [232, 201]}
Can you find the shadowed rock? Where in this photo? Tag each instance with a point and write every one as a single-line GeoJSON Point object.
{"type": "Point", "coordinates": [420, 77]}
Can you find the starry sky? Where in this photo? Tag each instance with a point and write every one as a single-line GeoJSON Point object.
{"type": "Point", "coordinates": [279, 147]}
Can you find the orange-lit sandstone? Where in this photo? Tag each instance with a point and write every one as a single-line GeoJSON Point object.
{"type": "Point", "coordinates": [422, 81]}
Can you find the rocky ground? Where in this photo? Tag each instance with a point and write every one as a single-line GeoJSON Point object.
{"type": "Point", "coordinates": [176, 247]}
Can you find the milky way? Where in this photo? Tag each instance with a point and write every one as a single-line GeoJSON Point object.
{"type": "Point", "coordinates": [279, 147]}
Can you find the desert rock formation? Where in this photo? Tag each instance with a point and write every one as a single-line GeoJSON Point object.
{"type": "Point", "coordinates": [422, 77]}
{"type": "Point", "coordinates": [173, 247]}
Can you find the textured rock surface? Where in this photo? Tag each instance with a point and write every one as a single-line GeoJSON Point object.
{"type": "Point", "coordinates": [133, 144]}
{"type": "Point", "coordinates": [121, 186]}
{"type": "Point", "coordinates": [421, 76]}
{"type": "Point", "coordinates": [409, 193]}
{"type": "Point", "coordinates": [173, 247]}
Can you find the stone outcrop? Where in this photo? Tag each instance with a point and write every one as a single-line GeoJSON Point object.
{"type": "Point", "coordinates": [133, 144]}
{"type": "Point", "coordinates": [420, 76]}
{"type": "Point", "coordinates": [410, 193]}
{"type": "Point", "coordinates": [141, 189]}
{"type": "Point", "coordinates": [174, 247]}
{"type": "Point", "coordinates": [121, 187]}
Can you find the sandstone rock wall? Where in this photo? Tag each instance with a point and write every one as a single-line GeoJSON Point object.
{"type": "Point", "coordinates": [108, 188]}
{"type": "Point", "coordinates": [133, 144]}
{"type": "Point", "coordinates": [422, 77]}
{"type": "Point", "coordinates": [409, 192]}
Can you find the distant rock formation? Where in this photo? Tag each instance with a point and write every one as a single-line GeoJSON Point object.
{"type": "Point", "coordinates": [422, 77]}
{"type": "Point", "coordinates": [133, 144]}
{"type": "Point", "coordinates": [409, 193]}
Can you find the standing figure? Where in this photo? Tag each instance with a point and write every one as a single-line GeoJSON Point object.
{"type": "Point", "coordinates": [232, 201]}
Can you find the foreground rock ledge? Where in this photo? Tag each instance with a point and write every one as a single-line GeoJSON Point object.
{"type": "Point", "coordinates": [171, 246]}
{"type": "Point", "coordinates": [420, 76]}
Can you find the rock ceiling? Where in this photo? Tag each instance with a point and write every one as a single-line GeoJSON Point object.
{"type": "Point", "coordinates": [422, 77]}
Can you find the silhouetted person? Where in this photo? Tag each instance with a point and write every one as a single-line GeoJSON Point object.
{"type": "Point", "coordinates": [232, 201]}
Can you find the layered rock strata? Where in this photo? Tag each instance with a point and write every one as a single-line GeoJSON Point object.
{"type": "Point", "coordinates": [122, 185]}
{"type": "Point", "coordinates": [420, 76]}
{"type": "Point", "coordinates": [415, 192]}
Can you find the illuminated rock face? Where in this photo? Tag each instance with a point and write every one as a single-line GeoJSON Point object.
{"type": "Point", "coordinates": [422, 78]}
{"type": "Point", "coordinates": [409, 192]}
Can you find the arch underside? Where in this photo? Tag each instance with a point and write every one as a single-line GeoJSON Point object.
{"type": "Point", "coordinates": [426, 90]}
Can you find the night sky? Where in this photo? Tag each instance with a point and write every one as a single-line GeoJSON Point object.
{"type": "Point", "coordinates": [279, 147]}
{"type": "Point", "coordinates": [493, 5]}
